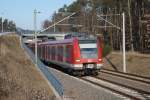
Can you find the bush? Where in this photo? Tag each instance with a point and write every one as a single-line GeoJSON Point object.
{"type": "Point", "coordinates": [106, 50]}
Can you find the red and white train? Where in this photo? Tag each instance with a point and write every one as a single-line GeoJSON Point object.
{"type": "Point", "coordinates": [78, 56]}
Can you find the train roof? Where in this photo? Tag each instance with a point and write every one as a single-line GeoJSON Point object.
{"type": "Point", "coordinates": [63, 41]}
{"type": "Point", "coordinates": [69, 37]}
{"type": "Point", "coordinates": [79, 35]}
{"type": "Point", "coordinates": [57, 42]}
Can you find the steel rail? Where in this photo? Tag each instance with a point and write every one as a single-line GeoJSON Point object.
{"type": "Point", "coordinates": [119, 84]}
{"type": "Point", "coordinates": [127, 75]}
{"type": "Point", "coordinates": [112, 89]}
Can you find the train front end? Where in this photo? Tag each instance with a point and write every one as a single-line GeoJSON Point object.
{"type": "Point", "coordinates": [87, 56]}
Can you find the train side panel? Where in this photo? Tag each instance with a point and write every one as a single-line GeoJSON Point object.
{"type": "Point", "coordinates": [70, 55]}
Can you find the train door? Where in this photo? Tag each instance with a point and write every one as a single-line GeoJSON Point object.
{"type": "Point", "coordinates": [68, 53]}
{"type": "Point", "coordinates": [60, 53]}
{"type": "Point", "coordinates": [64, 53]}
{"type": "Point", "coordinates": [39, 51]}
{"type": "Point", "coordinates": [47, 52]}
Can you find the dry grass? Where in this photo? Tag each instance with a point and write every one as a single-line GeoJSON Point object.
{"type": "Point", "coordinates": [19, 79]}
{"type": "Point", "coordinates": [136, 63]}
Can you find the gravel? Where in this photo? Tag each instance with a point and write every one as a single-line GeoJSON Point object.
{"type": "Point", "coordinates": [125, 81]}
{"type": "Point", "coordinates": [76, 89]}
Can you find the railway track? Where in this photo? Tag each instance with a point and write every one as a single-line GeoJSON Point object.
{"type": "Point", "coordinates": [126, 85]}
{"type": "Point", "coordinates": [134, 77]}
{"type": "Point", "coordinates": [120, 89]}
{"type": "Point", "coordinates": [134, 82]}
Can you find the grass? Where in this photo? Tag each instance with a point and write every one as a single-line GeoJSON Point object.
{"type": "Point", "coordinates": [138, 65]}
{"type": "Point", "coordinates": [106, 50]}
{"type": "Point", "coordinates": [130, 59]}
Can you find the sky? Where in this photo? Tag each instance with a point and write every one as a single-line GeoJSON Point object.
{"type": "Point", "coordinates": [21, 11]}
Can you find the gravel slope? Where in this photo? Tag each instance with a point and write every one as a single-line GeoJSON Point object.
{"type": "Point", "coordinates": [19, 79]}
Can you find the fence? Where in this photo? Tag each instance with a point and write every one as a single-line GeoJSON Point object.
{"type": "Point", "coordinates": [47, 74]}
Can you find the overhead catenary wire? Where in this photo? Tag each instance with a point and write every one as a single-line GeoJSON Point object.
{"type": "Point", "coordinates": [57, 22]}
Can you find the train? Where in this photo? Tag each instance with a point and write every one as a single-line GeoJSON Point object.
{"type": "Point", "coordinates": [79, 56]}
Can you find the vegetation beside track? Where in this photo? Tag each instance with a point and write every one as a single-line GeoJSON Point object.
{"type": "Point", "coordinates": [137, 63]}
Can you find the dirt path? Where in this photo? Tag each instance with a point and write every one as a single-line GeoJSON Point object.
{"type": "Point", "coordinates": [19, 79]}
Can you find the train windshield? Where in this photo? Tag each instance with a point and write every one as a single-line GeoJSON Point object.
{"type": "Point", "coordinates": [88, 48]}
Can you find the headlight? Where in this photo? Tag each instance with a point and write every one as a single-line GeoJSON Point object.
{"type": "Point", "coordinates": [100, 59]}
{"type": "Point", "coordinates": [77, 60]}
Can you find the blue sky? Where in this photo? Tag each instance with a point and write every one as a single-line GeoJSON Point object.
{"type": "Point", "coordinates": [21, 11]}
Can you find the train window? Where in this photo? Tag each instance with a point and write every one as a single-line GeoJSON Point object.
{"type": "Point", "coordinates": [58, 52]}
{"type": "Point", "coordinates": [88, 48]}
{"type": "Point", "coordinates": [39, 51]}
{"type": "Point", "coordinates": [53, 53]}
{"type": "Point", "coordinates": [87, 41]}
{"type": "Point", "coordinates": [64, 53]}
{"type": "Point", "coordinates": [49, 51]}
{"type": "Point", "coordinates": [46, 52]}
{"type": "Point", "coordinates": [61, 53]}
{"type": "Point", "coordinates": [43, 52]}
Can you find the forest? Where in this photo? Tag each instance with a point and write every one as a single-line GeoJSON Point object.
{"type": "Point", "coordinates": [104, 17]}
{"type": "Point", "coordinates": [6, 25]}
